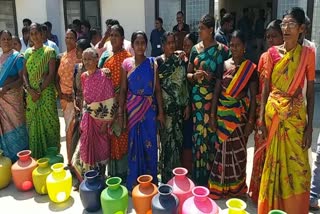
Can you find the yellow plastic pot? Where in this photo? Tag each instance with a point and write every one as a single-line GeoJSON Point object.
{"type": "Point", "coordinates": [236, 206]}
{"type": "Point", "coordinates": [59, 183]}
{"type": "Point", "coordinates": [5, 170]}
{"type": "Point", "coordinates": [40, 174]}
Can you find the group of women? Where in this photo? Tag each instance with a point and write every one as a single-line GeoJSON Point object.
{"type": "Point", "coordinates": [126, 108]}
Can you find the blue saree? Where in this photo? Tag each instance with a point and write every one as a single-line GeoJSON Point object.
{"type": "Point", "coordinates": [142, 125]}
{"type": "Point", "coordinates": [13, 132]}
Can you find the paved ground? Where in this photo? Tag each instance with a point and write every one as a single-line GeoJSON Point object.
{"type": "Point", "coordinates": [13, 201]}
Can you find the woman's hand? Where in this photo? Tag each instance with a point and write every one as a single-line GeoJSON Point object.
{"type": "Point", "coordinates": [248, 129]}
{"type": "Point", "coordinates": [35, 95]}
{"type": "Point", "coordinates": [307, 138]}
{"type": "Point", "coordinates": [200, 75]}
{"type": "Point", "coordinates": [161, 120]}
{"type": "Point", "coordinates": [186, 113]}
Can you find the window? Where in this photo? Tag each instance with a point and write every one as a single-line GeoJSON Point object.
{"type": "Point", "coordinates": [8, 19]}
{"type": "Point", "coordinates": [284, 5]}
{"type": "Point", "coordinates": [83, 10]}
{"type": "Point", "coordinates": [195, 10]}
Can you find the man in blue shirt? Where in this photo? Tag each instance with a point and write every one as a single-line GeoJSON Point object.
{"type": "Point", "coordinates": [155, 38]}
{"type": "Point", "coordinates": [222, 35]}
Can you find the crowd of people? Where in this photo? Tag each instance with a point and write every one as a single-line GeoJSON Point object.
{"type": "Point", "coordinates": [193, 104]}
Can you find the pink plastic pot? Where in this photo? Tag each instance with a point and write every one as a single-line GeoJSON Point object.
{"type": "Point", "coordinates": [182, 186]}
{"type": "Point", "coordinates": [200, 203]}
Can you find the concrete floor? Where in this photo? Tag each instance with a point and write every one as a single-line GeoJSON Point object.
{"type": "Point", "coordinates": [13, 201]}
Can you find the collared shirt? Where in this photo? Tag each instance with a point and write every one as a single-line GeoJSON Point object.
{"type": "Point", "coordinates": [66, 70]}
{"type": "Point", "coordinates": [55, 39]}
{"type": "Point", "coordinates": [221, 37]}
{"type": "Point", "coordinates": [155, 40]}
{"type": "Point", "coordinates": [185, 28]}
{"type": "Point", "coordinates": [24, 46]}
{"type": "Point", "coordinates": [53, 45]}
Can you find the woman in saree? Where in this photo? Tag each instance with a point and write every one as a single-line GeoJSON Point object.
{"type": "Point", "coordinates": [205, 67]}
{"type": "Point", "coordinates": [99, 108]}
{"type": "Point", "coordinates": [175, 94]}
{"type": "Point", "coordinates": [13, 131]}
{"type": "Point", "coordinates": [285, 121]}
{"type": "Point", "coordinates": [64, 84]}
{"type": "Point", "coordinates": [274, 38]}
{"type": "Point", "coordinates": [118, 164]}
{"type": "Point", "coordinates": [140, 92]}
{"type": "Point", "coordinates": [186, 158]}
{"type": "Point", "coordinates": [42, 114]}
{"type": "Point", "coordinates": [233, 118]}
{"type": "Point", "coordinates": [77, 167]}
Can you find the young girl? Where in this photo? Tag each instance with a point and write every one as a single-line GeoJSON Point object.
{"type": "Point", "coordinates": [98, 111]}
{"type": "Point", "coordinates": [140, 89]}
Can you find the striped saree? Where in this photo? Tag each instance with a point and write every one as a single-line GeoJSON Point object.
{"type": "Point", "coordinates": [228, 174]}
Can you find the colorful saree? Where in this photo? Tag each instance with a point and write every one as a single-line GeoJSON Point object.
{"type": "Point", "coordinates": [42, 115]}
{"type": "Point", "coordinates": [228, 174]}
{"type": "Point", "coordinates": [65, 73]}
{"type": "Point", "coordinates": [118, 164]}
{"type": "Point", "coordinates": [259, 150]}
{"type": "Point", "coordinates": [175, 95]}
{"type": "Point", "coordinates": [99, 108]}
{"type": "Point", "coordinates": [202, 92]}
{"type": "Point", "coordinates": [13, 132]}
{"type": "Point", "coordinates": [142, 122]}
{"type": "Point", "coordinates": [285, 182]}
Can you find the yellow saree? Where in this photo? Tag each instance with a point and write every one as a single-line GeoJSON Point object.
{"type": "Point", "coordinates": [285, 182]}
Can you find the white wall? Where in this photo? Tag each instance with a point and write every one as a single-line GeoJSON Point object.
{"type": "Point", "coordinates": [41, 11]}
{"type": "Point", "coordinates": [149, 20]}
{"type": "Point", "coordinates": [35, 10]}
{"type": "Point", "coordinates": [56, 16]}
{"type": "Point", "coordinates": [131, 14]}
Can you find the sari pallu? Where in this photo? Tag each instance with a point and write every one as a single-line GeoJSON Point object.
{"type": "Point", "coordinates": [285, 182]}
{"type": "Point", "coordinates": [228, 174]}
{"type": "Point", "coordinates": [118, 164]}
{"type": "Point", "coordinates": [175, 94]}
{"type": "Point", "coordinates": [142, 122]}
{"type": "Point", "coordinates": [13, 132]}
{"type": "Point", "coordinates": [99, 108]}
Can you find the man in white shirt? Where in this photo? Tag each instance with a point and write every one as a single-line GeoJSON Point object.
{"type": "Point", "coordinates": [25, 39]}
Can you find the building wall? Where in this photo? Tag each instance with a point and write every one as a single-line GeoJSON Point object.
{"type": "Point", "coordinates": [41, 11]}
{"type": "Point", "coordinates": [131, 14]}
{"type": "Point", "coordinates": [36, 10]}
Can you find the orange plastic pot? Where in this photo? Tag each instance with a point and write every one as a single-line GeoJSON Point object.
{"type": "Point", "coordinates": [143, 193]}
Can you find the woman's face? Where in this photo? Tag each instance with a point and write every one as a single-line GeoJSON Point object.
{"type": "Point", "coordinates": [273, 37]}
{"type": "Point", "coordinates": [90, 62]}
{"type": "Point", "coordinates": [36, 36]}
{"type": "Point", "coordinates": [291, 29]}
{"type": "Point", "coordinates": [70, 40]}
{"type": "Point", "coordinates": [79, 52]}
{"type": "Point", "coordinates": [16, 45]}
{"type": "Point", "coordinates": [205, 33]}
{"type": "Point", "coordinates": [169, 46]}
{"type": "Point", "coordinates": [237, 47]}
{"type": "Point", "coordinates": [139, 45]}
{"type": "Point", "coordinates": [187, 45]}
{"type": "Point", "coordinates": [116, 39]}
{"type": "Point", "coordinates": [6, 42]}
